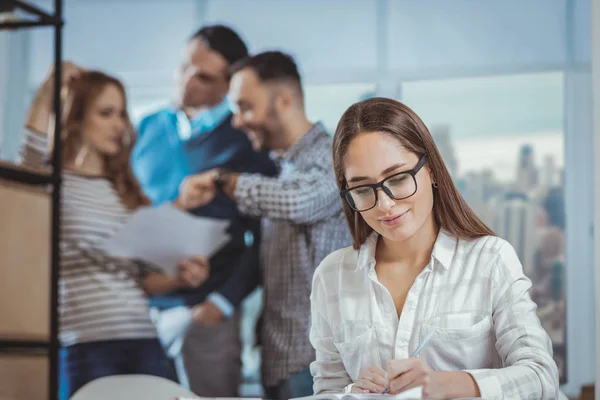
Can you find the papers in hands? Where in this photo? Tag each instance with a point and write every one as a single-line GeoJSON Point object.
{"type": "Point", "coordinates": [165, 235]}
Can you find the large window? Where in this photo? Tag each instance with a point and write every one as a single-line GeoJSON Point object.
{"type": "Point", "coordinates": [502, 139]}
{"type": "Point", "coordinates": [327, 103]}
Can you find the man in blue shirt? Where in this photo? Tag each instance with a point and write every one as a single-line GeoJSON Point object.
{"type": "Point", "coordinates": [192, 136]}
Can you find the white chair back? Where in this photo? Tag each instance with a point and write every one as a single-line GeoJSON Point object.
{"type": "Point", "coordinates": [132, 387]}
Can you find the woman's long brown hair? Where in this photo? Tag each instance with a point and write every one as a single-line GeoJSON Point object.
{"type": "Point", "coordinates": [78, 97]}
{"type": "Point", "coordinates": [397, 120]}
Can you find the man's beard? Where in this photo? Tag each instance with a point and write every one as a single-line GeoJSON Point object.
{"type": "Point", "coordinates": [256, 139]}
{"type": "Point", "coordinates": [264, 136]}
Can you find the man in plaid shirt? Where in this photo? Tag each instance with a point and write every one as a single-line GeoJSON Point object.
{"type": "Point", "coordinates": [300, 209]}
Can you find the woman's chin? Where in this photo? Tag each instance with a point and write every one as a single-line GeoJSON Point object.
{"type": "Point", "coordinates": [397, 233]}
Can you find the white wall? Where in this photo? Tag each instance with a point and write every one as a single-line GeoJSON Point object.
{"type": "Point", "coordinates": [4, 66]}
{"type": "Point", "coordinates": [14, 67]}
{"type": "Point", "coordinates": [596, 147]}
{"type": "Point", "coordinates": [332, 37]}
{"type": "Point", "coordinates": [139, 41]}
{"type": "Point", "coordinates": [579, 208]}
{"type": "Point", "coordinates": [470, 36]}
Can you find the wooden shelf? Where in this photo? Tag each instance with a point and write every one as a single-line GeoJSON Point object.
{"type": "Point", "coordinates": [18, 24]}
{"type": "Point", "coordinates": [24, 262]}
{"type": "Point", "coordinates": [29, 246]}
{"type": "Point", "coordinates": [31, 345]}
{"type": "Point", "coordinates": [42, 18]}
{"type": "Point", "coordinates": [18, 173]}
{"type": "Point", "coordinates": [23, 377]}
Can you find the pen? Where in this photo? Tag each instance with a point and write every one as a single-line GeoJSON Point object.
{"type": "Point", "coordinates": [416, 352]}
{"type": "Point", "coordinates": [422, 345]}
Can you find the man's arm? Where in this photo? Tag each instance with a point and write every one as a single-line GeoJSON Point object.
{"type": "Point", "coordinates": [307, 199]}
{"type": "Point", "coordinates": [246, 274]}
{"type": "Point", "coordinates": [245, 278]}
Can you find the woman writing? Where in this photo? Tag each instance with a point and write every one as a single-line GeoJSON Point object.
{"type": "Point", "coordinates": [105, 326]}
{"type": "Point", "coordinates": [422, 266]}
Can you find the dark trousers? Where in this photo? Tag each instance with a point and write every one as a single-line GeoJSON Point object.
{"type": "Point", "coordinates": [85, 362]}
{"type": "Point", "coordinates": [298, 385]}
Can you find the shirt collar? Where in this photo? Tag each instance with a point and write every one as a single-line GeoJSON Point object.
{"type": "Point", "coordinates": [304, 142]}
{"type": "Point", "coordinates": [206, 120]}
{"type": "Point", "coordinates": [443, 250]}
{"type": "Point", "coordinates": [213, 115]}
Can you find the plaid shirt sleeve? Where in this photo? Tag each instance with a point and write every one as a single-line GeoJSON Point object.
{"type": "Point", "coordinates": [522, 343]}
{"type": "Point", "coordinates": [307, 197]}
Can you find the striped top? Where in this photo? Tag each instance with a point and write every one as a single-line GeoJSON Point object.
{"type": "Point", "coordinates": [100, 298]}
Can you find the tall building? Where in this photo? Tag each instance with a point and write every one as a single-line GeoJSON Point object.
{"type": "Point", "coordinates": [554, 205]}
{"type": "Point", "coordinates": [477, 188]}
{"type": "Point", "coordinates": [549, 171]}
{"type": "Point", "coordinates": [527, 174]}
{"type": "Point", "coordinates": [515, 221]}
{"type": "Point", "coordinates": [443, 141]}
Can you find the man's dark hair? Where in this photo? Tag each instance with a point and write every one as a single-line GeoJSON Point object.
{"type": "Point", "coordinates": [271, 66]}
{"type": "Point", "coordinates": [224, 41]}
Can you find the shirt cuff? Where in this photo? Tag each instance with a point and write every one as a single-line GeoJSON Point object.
{"type": "Point", "coordinates": [222, 303]}
{"type": "Point", "coordinates": [348, 389]}
{"type": "Point", "coordinates": [245, 190]}
{"type": "Point", "coordinates": [489, 386]}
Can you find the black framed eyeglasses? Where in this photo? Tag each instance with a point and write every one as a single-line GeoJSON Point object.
{"type": "Point", "coordinates": [398, 187]}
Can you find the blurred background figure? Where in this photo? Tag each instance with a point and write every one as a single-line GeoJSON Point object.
{"type": "Point", "coordinates": [302, 215]}
{"type": "Point", "coordinates": [190, 136]}
{"type": "Point", "coordinates": [105, 324]}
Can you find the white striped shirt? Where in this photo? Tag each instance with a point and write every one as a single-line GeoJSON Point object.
{"type": "Point", "coordinates": [100, 298]}
{"type": "Point", "coordinates": [473, 296]}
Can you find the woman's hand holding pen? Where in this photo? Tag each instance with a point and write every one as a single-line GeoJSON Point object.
{"type": "Point", "coordinates": [407, 374]}
{"type": "Point", "coordinates": [410, 373]}
{"type": "Point", "coordinates": [403, 375]}
{"type": "Point", "coordinates": [371, 380]}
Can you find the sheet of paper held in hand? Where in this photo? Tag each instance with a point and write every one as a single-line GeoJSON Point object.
{"type": "Point", "coordinates": [165, 235]}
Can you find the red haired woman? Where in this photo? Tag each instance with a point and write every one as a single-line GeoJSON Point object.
{"type": "Point", "coordinates": [105, 325]}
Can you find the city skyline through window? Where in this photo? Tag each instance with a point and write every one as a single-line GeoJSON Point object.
{"type": "Point", "coordinates": [502, 138]}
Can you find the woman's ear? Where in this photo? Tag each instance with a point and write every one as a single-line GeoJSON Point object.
{"type": "Point", "coordinates": [430, 173]}
{"type": "Point", "coordinates": [434, 181]}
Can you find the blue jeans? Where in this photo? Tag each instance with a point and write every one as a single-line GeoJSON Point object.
{"type": "Point", "coordinates": [298, 385]}
{"type": "Point", "coordinates": [85, 362]}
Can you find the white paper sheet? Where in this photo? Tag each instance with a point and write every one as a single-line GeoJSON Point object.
{"type": "Point", "coordinates": [165, 235]}
{"type": "Point", "coordinates": [414, 393]}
